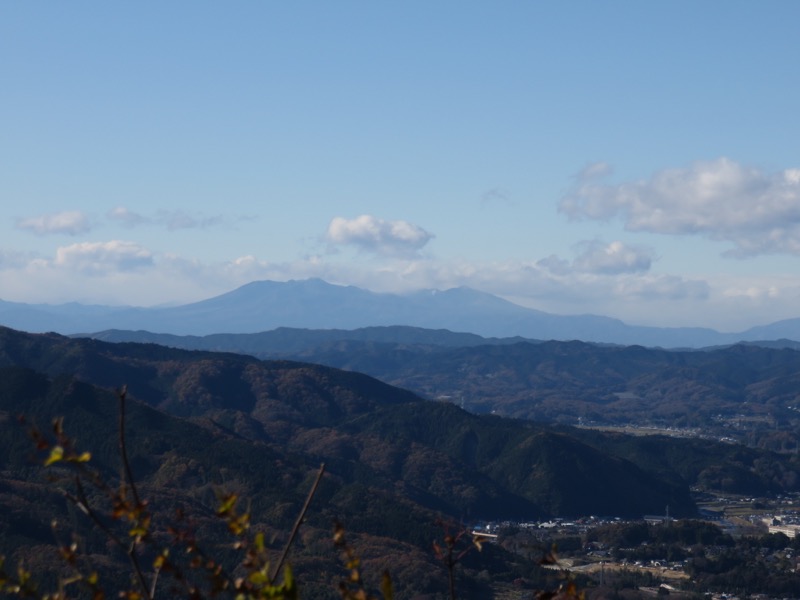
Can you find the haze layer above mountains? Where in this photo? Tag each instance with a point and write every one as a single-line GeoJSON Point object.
{"type": "Point", "coordinates": [315, 304]}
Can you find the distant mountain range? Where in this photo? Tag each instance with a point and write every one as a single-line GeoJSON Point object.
{"type": "Point", "coordinates": [314, 304]}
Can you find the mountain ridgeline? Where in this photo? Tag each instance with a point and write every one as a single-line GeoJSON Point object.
{"type": "Point", "coordinates": [315, 304]}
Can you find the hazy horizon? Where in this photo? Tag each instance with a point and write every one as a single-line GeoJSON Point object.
{"type": "Point", "coordinates": [400, 294]}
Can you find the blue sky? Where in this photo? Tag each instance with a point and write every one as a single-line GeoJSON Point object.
{"type": "Point", "coordinates": [633, 159]}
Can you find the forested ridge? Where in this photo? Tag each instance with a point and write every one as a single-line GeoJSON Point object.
{"type": "Point", "coordinates": [746, 391]}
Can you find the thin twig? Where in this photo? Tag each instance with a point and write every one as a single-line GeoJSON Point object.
{"type": "Point", "coordinates": [83, 504]}
{"type": "Point", "coordinates": [154, 583]}
{"type": "Point", "coordinates": [123, 449]}
{"type": "Point", "coordinates": [297, 524]}
{"type": "Point", "coordinates": [128, 475]}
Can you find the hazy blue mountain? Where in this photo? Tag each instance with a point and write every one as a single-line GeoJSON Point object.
{"type": "Point", "coordinates": [314, 304]}
{"type": "Point", "coordinates": [788, 329]}
{"type": "Point", "coordinates": [53, 317]}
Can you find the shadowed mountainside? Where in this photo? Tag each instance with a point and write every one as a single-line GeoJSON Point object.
{"type": "Point", "coordinates": [746, 391]}
{"type": "Point", "coordinates": [201, 421]}
{"type": "Point", "coordinates": [327, 414]}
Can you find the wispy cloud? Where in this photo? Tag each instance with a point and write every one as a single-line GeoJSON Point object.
{"type": "Point", "coordinates": [496, 196]}
{"type": "Point", "coordinates": [594, 170]}
{"type": "Point", "coordinates": [374, 235]}
{"type": "Point", "coordinates": [758, 212]}
{"type": "Point", "coordinates": [178, 219]}
{"type": "Point", "coordinates": [660, 287]}
{"type": "Point", "coordinates": [171, 219]}
{"type": "Point", "coordinates": [71, 222]}
{"type": "Point", "coordinates": [12, 259]}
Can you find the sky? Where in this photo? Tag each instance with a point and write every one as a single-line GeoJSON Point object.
{"type": "Point", "coordinates": [633, 159]}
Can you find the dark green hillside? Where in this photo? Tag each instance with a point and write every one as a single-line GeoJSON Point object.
{"type": "Point", "coordinates": [747, 392]}
{"type": "Point", "coordinates": [370, 433]}
{"type": "Point", "coordinates": [556, 471]}
{"type": "Point", "coordinates": [358, 424]}
{"type": "Point", "coordinates": [178, 463]}
{"type": "Point", "coordinates": [705, 464]}
{"type": "Point", "coordinates": [158, 442]}
{"type": "Point", "coordinates": [193, 383]}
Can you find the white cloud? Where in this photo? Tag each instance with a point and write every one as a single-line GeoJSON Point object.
{"type": "Point", "coordinates": [71, 222]}
{"type": "Point", "coordinates": [127, 217]}
{"type": "Point", "coordinates": [567, 290]}
{"type": "Point", "coordinates": [371, 234]}
{"type": "Point", "coordinates": [613, 258]}
{"type": "Point", "coordinates": [758, 212]}
{"type": "Point", "coordinates": [555, 265]}
{"type": "Point", "coordinates": [600, 258]}
{"type": "Point", "coordinates": [660, 287]}
{"type": "Point", "coordinates": [103, 257]}
{"type": "Point", "coordinates": [752, 291]}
